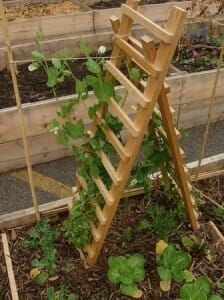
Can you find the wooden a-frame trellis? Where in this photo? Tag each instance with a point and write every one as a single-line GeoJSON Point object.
{"type": "Point", "coordinates": [154, 62]}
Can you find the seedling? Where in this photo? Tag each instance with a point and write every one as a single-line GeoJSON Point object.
{"type": "Point", "coordinates": [127, 272]}
{"type": "Point", "coordinates": [42, 236]}
{"type": "Point", "coordinates": [61, 294]}
{"type": "Point", "coordinates": [198, 290]}
{"type": "Point", "coordinates": [172, 264]}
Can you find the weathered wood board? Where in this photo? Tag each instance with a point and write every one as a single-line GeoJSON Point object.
{"type": "Point", "coordinates": [79, 23]}
{"type": "Point", "coordinates": [27, 216]}
{"type": "Point", "coordinates": [189, 97]}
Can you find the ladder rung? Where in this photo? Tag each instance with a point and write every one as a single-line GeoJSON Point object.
{"type": "Point", "coordinates": [89, 249]}
{"type": "Point", "coordinates": [141, 99]}
{"type": "Point", "coordinates": [155, 29]}
{"type": "Point", "coordinates": [99, 213]}
{"type": "Point", "coordinates": [166, 86]}
{"type": "Point", "coordinates": [109, 167]}
{"type": "Point", "coordinates": [113, 139]}
{"type": "Point", "coordinates": [105, 193]}
{"type": "Point", "coordinates": [182, 153]}
{"type": "Point", "coordinates": [115, 108]}
{"type": "Point", "coordinates": [95, 233]}
{"type": "Point", "coordinates": [137, 56]}
{"type": "Point", "coordinates": [82, 181]}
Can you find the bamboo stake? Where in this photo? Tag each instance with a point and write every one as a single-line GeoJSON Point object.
{"type": "Point", "coordinates": [205, 137]}
{"type": "Point", "coordinates": [19, 107]}
{"type": "Point", "coordinates": [8, 261]}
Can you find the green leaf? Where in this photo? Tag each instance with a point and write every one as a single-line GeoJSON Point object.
{"type": "Point", "coordinates": [116, 260]}
{"type": "Point", "coordinates": [37, 56]}
{"type": "Point", "coordinates": [220, 285]}
{"type": "Point", "coordinates": [168, 256]}
{"type": "Point", "coordinates": [93, 66]}
{"type": "Point", "coordinates": [164, 273]}
{"type": "Point", "coordinates": [188, 276]}
{"type": "Point", "coordinates": [86, 49]}
{"type": "Point", "coordinates": [76, 130]}
{"type": "Point", "coordinates": [203, 284]}
{"type": "Point", "coordinates": [50, 293]}
{"type": "Point", "coordinates": [95, 171]}
{"type": "Point", "coordinates": [39, 264]}
{"type": "Point", "coordinates": [135, 74]}
{"type": "Point", "coordinates": [103, 90]}
{"type": "Point", "coordinates": [182, 260]}
{"type": "Point", "coordinates": [188, 243]}
{"type": "Point", "coordinates": [62, 138]}
{"type": "Point", "coordinates": [215, 297]}
{"type": "Point", "coordinates": [139, 274]}
{"type": "Point", "coordinates": [136, 261]}
{"type": "Point", "coordinates": [56, 63]}
{"type": "Point", "coordinates": [113, 275]}
{"type": "Point", "coordinates": [127, 277]}
{"type": "Point", "coordinates": [177, 273]}
{"type": "Point", "coordinates": [128, 290]}
{"type": "Point", "coordinates": [41, 278]}
{"type": "Point", "coordinates": [52, 74]}
{"type": "Point", "coordinates": [80, 86]}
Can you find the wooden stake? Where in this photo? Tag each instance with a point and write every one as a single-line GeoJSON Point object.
{"type": "Point", "coordinates": [205, 137]}
{"type": "Point", "coordinates": [19, 107]}
{"type": "Point", "coordinates": [11, 276]}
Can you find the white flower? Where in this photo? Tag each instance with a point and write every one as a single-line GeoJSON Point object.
{"type": "Point", "coordinates": [32, 67]}
{"type": "Point", "coordinates": [134, 107]}
{"type": "Point", "coordinates": [54, 130]}
{"type": "Point", "coordinates": [102, 49]}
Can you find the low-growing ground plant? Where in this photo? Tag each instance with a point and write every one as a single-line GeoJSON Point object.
{"type": "Point", "coordinates": [41, 238]}
{"type": "Point", "coordinates": [60, 294]}
{"type": "Point", "coordinates": [127, 272]}
{"type": "Point", "coordinates": [172, 265]}
{"type": "Point", "coordinates": [200, 289]}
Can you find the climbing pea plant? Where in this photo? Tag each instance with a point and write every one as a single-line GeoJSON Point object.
{"type": "Point", "coordinates": [69, 130]}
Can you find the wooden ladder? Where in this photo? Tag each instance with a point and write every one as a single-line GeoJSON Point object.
{"type": "Point", "coordinates": [155, 63]}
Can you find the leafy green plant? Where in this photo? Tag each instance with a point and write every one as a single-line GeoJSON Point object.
{"type": "Point", "coordinates": [195, 245]}
{"type": "Point", "coordinates": [127, 272]}
{"type": "Point", "coordinates": [218, 213]}
{"type": "Point", "coordinates": [69, 130]}
{"type": "Point", "coordinates": [42, 237]}
{"type": "Point", "coordinates": [61, 294]}
{"type": "Point", "coordinates": [198, 290]}
{"type": "Point", "coordinates": [172, 264]}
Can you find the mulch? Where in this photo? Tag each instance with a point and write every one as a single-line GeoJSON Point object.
{"type": "Point", "coordinates": [92, 283]}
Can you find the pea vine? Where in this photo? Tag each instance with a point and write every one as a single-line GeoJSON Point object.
{"type": "Point", "coordinates": [68, 131]}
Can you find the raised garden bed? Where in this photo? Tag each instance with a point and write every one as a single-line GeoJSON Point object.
{"type": "Point", "coordinates": [122, 240]}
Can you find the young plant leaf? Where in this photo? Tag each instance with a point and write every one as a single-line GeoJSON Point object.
{"type": "Point", "coordinates": [128, 289]}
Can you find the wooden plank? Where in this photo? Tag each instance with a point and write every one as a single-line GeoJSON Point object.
{"type": "Point", "coordinates": [117, 111]}
{"type": "Point", "coordinates": [149, 25]}
{"type": "Point", "coordinates": [118, 75]}
{"type": "Point", "coordinates": [136, 56]}
{"type": "Point", "coordinates": [51, 26]}
{"type": "Point", "coordinates": [81, 22]}
{"type": "Point", "coordinates": [11, 276]}
{"type": "Point", "coordinates": [27, 216]}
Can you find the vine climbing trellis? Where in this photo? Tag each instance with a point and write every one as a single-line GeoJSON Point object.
{"type": "Point", "coordinates": [151, 99]}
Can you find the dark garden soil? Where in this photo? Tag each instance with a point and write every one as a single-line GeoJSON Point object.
{"type": "Point", "coordinates": [93, 283]}
{"type": "Point", "coordinates": [32, 85]}
{"type": "Point", "coordinates": [117, 3]}
{"type": "Point", "coordinates": [198, 51]}
{"type": "Point", "coordinates": [213, 188]}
